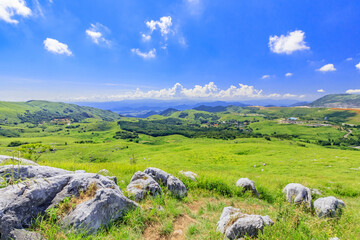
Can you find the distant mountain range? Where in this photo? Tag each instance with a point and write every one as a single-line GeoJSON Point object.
{"type": "Point", "coordinates": [146, 108]}
{"type": "Point", "coordinates": [39, 111]}
{"type": "Point", "coordinates": [338, 101]}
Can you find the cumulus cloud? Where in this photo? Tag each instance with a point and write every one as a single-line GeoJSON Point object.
{"type": "Point", "coordinates": [353, 91]}
{"type": "Point", "coordinates": [145, 37]}
{"type": "Point", "coordinates": [265, 77]}
{"type": "Point", "coordinates": [96, 34]}
{"type": "Point", "coordinates": [321, 91]}
{"type": "Point", "coordinates": [56, 47]}
{"type": "Point", "coordinates": [327, 68]}
{"type": "Point", "coordinates": [206, 92]}
{"type": "Point", "coordinates": [145, 55]}
{"type": "Point", "coordinates": [358, 66]}
{"type": "Point", "coordinates": [288, 74]}
{"type": "Point", "coordinates": [10, 8]}
{"type": "Point", "coordinates": [288, 44]}
{"type": "Point", "coordinates": [164, 25]}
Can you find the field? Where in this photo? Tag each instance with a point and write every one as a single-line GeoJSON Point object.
{"type": "Point", "coordinates": [270, 159]}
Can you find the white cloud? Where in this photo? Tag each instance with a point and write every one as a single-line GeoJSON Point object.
{"type": "Point", "coordinates": [288, 74]}
{"type": "Point", "coordinates": [321, 91]}
{"type": "Point", "coordinates": [182, 41]}
{"type": "Point", "coordinates": [349, 59]}
{"type": "Point", "coordinates": [206, 92]}
{"type": "Point", "coordinates": [327, 68]}
{"type": "Point", "coordinates": [288, 44]}
{"type": "Point", "coordinates": [353, 91]}
{"type": "Point", "coordinates": [164, 25]}
{"type": "Point", "coordinates": [145, 37]}
{"type": "Point", "coordinates": [358, 66]}
{"type": "Point", "coordinates": [10, 8]}
{"type": "Point", "coordinates": [265, 77]}
{"type": "Point", "coordinates": [145, 55]}
{"type": "Point", "coordinates": [56, 47]}
{"type": "Point", "coordinates": [96, 33]}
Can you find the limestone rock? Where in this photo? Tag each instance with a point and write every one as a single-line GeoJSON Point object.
{"type": "Point", "coordinates": [22, 234]}
{"type": "Point", "coordinates": [189, 175]}
{"type": "Point", "coordinates": [21, 203]}
{"type": "Point", "coordinates": [106, 206]}
{"type": "Point", "coordinates": [141, 184]}
{"type": "Point", "coordinates": [247, 185]}
{"type": "Point", "coordinates": [21, 161]}
{"type": "Point", "coordinates": [235, 224]}
{"type": "Point", "coordinates": [328, 207]}
{"type": "Point", "coordinates": [158, 175]}
{"type": "Point", "coordinates": [23, 172]}
{"type": "Point", "coordinates": [297, 194]}
{"type": "Point", "coordinates": [176, 187]}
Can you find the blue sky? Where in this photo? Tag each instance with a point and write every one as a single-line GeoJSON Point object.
{"type": "Point", "coordinates": [182, 49]}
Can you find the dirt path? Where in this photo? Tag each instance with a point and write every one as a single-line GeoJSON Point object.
{"type": "Point", "coordinates": [346, 135]}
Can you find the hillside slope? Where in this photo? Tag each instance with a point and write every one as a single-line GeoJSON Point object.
{"type": "Point", "coordinates": [338, 101]}
{"type": "Point", "coordinates": [38, 111]}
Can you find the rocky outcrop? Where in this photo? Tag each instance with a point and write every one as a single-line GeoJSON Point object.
{"type": "Point", "coordinates": [297, 193]}
{"type": "Point", "coordinates": [22, 234]}
{"type": "Point", "coordinates": [22, 161]}
{"type": "Point", "coordinates": [158, 175]}
{"type": "Point", "coordinates": [141, 184]}
{"type": "Point", "coordinates": [175, 186]}
{"type": "Point", "coordinates": [234, 224]}
{"type": "Point", "coordinates": [247, 185]}
{"type": "Point", "coordinates": [190, 175]}
{"type": "Point", "coordinates": [41, 190]}
{"type": "Point", "coordinates": [328, 207]}
{"type": "Point", "coordinates": [22, 172]}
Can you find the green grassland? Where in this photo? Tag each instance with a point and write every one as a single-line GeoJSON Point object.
{"type": "Point", "coordinates": [268, 159]}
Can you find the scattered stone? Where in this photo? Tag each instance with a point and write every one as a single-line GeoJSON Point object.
{"type": "Point", "coordinates": [190, 175]}
{"type": "Point", "coordinates": [328, 207]}
{"type": "Point", "coordinates": [235, 224]}
{"type": "Point", "coordinates": [176, 187]}
{"type": "Point", "coordinates": [316, 191]}
{"type": "Point", "coordinates": [254, 166]}
{"type": "Point", "coordinates": [104, 172]}
{"type": "Point", "coordinates": [21, 161]}
{"type": "Point", "coordinates": [264, 164]}
{"type": "Point", "coordinates": [106, 206]}
{"type": "Point", "coordinates": [178, 233]}
{"type": "Point", "coordinates": [297, 194]}
{"type": "Point", "coordinates": [23, 202]}
{"type": "Point", "coordinates": [247, 185]}
{"type": "Point", "coordinates": [112, 178]}
{"type": "Point", "coordinates": [22, 234]}
{"type": "Point", "coordinates": [141, 184]}
{"type": "Point", "coordinates": [16, 172]}
{"type": "Point", "coordinates": [334, 238]}
{"type": "Point", "coordinates": [158, 175]}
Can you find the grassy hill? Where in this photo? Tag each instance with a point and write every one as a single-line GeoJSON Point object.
{"type": "Point", "coordinates": [338, 101]}
{"type": "Point", "coordinates": [39, 111]}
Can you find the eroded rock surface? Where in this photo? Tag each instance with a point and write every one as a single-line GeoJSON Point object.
{"type": "Point", "coordinates": [21, 161]}
{"type": "Point", "coordinates": [175, 186]}
{"type": "Point", "coordinates": [247, 185]}
{"type": "Point", "coordinates": [141, 184]}
{"type": "Point", "coordinates": [190, 175]}
{"type": "Point", "coordinates": [297, 193]}
{"type": "Point", "coordinates": [234, 224]}
{"type": "Point", "coordinates": [328, 207]}
{"type": "Point", "coordinates": [22, 202]}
